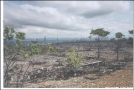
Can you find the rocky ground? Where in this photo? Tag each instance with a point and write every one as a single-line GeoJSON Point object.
{"type": "Point", "coordinates": [117, 78]}
{"type": "Point", "coordinates": [120, 78]}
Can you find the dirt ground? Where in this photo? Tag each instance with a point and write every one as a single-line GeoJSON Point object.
{"type": "Point", "coordinates": [119, 78]}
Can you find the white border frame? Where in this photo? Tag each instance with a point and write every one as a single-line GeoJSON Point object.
{"type": "Point", "coordinates": [2, 59]}
{"type": "Point", "coordinates": [2, 44]}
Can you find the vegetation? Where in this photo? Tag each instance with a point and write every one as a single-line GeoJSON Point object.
{"type": "Point", "coordinates": [74, 59]}
{"type": "Point", "coordinates": [101, 34]}
{"type": "Point", "coordinates": [18, 51]}
{"type": "Point", "coordinates": [52, 50]}
{"type": "Point", "coordinates": [131, 31]}
{"type": "Point", "coordinates": [130, 39]}
{"type": "Point", "coordinates": [113, 39]}
{"type": "Point", "coordinates": [118, 43]}
{"type": "Point", "coordinates": [35, 48]}
{"type": "Point", "coordinates": [11, 53]}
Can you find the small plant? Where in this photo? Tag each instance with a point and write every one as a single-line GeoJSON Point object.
{"type": "Point", "coordinates": [52, 50]}
{"type": "Point", "coordinates": [73, 58]}
{"type": "Point", "coordinates": [35, 48]}
{"type": "Point", "coordinates": [129, 57]}
{"type": "Point", "coordinates": [112, 40]}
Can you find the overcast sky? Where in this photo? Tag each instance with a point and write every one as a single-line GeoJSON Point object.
{"type": "Point", "coordinates": [68, 18]}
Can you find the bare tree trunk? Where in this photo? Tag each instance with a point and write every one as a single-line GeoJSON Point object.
{"type": "Point", "coordinates": [117, 55]}
{"type": "Point", "coordinates": [99, 46]}
{"type": "Point", "coordinates": [98, 53]}
{"type": "Point", "coordinates": [118, 49]}
{"type": "Point", "coordinates": [17, 81]}
{"type": "Point", "coordinates": [24, 78]}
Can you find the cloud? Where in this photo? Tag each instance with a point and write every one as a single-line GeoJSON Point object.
{"type": "Point", "coordinates": [85, 8]}
{"type": "Point", "coordinates": [67, 18]}
{"type": "Point", "coordinates": [40, 32]}
{"type": "Point", "coordinates": [47, 17]}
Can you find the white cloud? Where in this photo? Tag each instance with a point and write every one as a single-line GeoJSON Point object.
{"type": "Point", "coordinates": [40, 32]}
{"type": "Point", "coordinates": [85, 8]}
{"type": "Point", "coordinates": [44, 17]}
{"type": "Point", "coordinates": [67, 19]}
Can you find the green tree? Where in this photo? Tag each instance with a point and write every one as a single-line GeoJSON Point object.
{"type": "Point", "coordinates": [15, 52]}
{"type": "Point", "coordinates": [11, 52]}
{"type": "Point", "coordinates": [130, 39]}
{"type": "Point", "coordinates": [101, 34]}
{"type": "Point", "coordinates": [119, 37]}
{"type": "Point", "coordinates": [131, 31]}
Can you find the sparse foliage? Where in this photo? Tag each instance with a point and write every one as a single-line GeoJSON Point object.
{"type": "Point", "coordinates": [52, 50]}
{"type": "Point", "coordinates": [113, 39]}
{"type": "Point", "coordinates": [119, 37]}
{"type": "Point", "coordinates": [131, 31]}
{"type": "Point", "coordinates": [35, 48]}
{"type": "Point", "coordinates": [74, 64]}
{"type": "Point", "coordinates": [101, 34]}
{"type": "Point", "coordinates": [14, 52]}
{"type": "Point", "coordinates": [130, 39]}
{"type": "Point", "coordinates": [11, 53]}
{"type": "Point", "coordinates": [73, 58]}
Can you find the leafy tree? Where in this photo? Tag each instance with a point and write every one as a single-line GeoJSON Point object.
{"type": "Point", "coordinates": [131, 31]}
{"type": "Point", "coordinates": [18, 51]}
{"type": "Point", "coordinates": [8, 33]}
{"type": "Point", "coordinates": [130, 39]}
{"type": "Point", "coordinates": [15, 52]}
{"type": "Point", "coordinates": [11, 52]}
{"type": "Point", "coordinates": [119, 37]}
{"type": "Point", "coordinates": [101, 34]}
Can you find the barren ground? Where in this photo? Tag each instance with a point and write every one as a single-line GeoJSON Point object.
{"type": "Point", "coordinates": [119, 78]}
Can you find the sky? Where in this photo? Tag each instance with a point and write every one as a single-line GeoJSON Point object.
{"type": "Point", "coordinates": [68, 18]}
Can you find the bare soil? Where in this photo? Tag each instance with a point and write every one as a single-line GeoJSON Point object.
{"type": "Point", "coordinates": [117, 78]}
{"type": "Point", "coordinates": [120, 78]}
